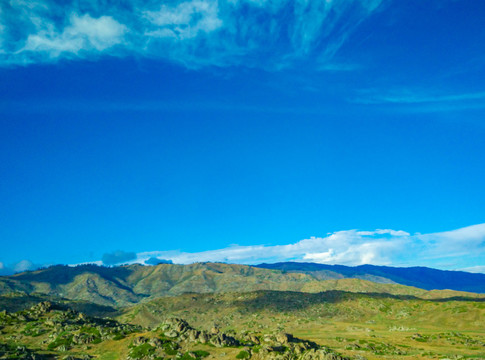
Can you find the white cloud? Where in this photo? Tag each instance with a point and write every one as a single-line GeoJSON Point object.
{"type": "Point", "coordinates": [193, 32]}
{"type": "Point", "coordinates": [383, 232]}
{"type": "Point", "coordinates": [454, 243]}
{"type": "Point", "coordinates": [349, 247]}
{"type": "Point", "coordinates": [84, 33]}
{"type": "Point", "coordinates": [354, 247]}
{"type": "Point", "coordinates": [185, 20]}
{"type": "Point", "coordinates": [475, 269]}
{"type": "Point", "coordinates": [473, 233]}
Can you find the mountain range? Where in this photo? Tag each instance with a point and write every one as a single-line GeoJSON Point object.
{"type": "Point", "coordinates": [131, 284]}
{"type": "Point", "coordinates": [420, 277]}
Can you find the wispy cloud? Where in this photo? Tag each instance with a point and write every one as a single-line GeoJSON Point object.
{"type": "Point", "coordinates": [194, 32]}
{"type": "Point", "coordinates": [466, 241]}
{"type": "Point", "coordinates": [409, 97]}
{"type": "Point", "coordinates": [420, 99]}
{"type": "Point", "coordinates": [83, 33]}
{"type": "Point", "coordinates": [353, 247]}
{"type": "Point", "coordinates": [475, 269]}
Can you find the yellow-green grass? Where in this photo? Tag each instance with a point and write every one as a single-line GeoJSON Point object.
{"type": "Point", "coordinates": [347, 322]}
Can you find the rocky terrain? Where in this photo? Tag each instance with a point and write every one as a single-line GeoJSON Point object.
{"type": "Point", "coordinates": [51, 331]}
{"type": "Point", "coordinates": [374, 326]}
{"type": "Point", "coordinates": [257, 325]}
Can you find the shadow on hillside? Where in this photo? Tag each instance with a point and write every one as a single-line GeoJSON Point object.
{"type": "Point", "coordinates": [17, 302]}
{"type": "Point", "coordinates": [63, 274]}
{"type": "Point", "coordinates": [280, 301]}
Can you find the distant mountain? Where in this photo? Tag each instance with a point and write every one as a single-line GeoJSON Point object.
{"type": "Point", "coordinates": [420, 277]}
{"type": "Point", "coordinates": [127, 285]}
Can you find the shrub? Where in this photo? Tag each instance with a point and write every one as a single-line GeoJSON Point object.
{"type": "Point", "coordinates": [243, 354]}
{"type": "Point", "coordinates": [142, 351]}
{"type": "Point", "coordinates": [201, 353]}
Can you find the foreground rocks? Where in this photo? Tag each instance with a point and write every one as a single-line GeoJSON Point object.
{"type": "Point", "coordinates": [54, 332]}
{"type": "Point", "coordinates": [179, 329]}
{"type": "Point", "coordinates": [279, 346]}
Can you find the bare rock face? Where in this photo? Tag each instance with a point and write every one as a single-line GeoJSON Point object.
{"type": "Point", "coordinates": [252, 339]}
{"type": "Point", "coordinates": [140, 340]}
{"type": "Point", "coordinates": [193, 335]}
{"type": "Point", "coordinates": [79, 339]}
{"type": "Point", "coordinates": [171, 334]}
{"type": "Point", "coordinates": [203, 337]}
{"type": "Point", "coordinates": [221, 340]}
{"type": "Point", "coordinates": [156, 342]}
{"type": "Point", "coordinates": [284, 338]}
{"type": "Point", "coordinates": [62, 348]}
{"type": "Point", "coordinates": [42, 307]}
{"type": "Point", "coordinates": [177, 325]}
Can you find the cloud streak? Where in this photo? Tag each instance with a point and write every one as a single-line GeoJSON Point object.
{"type": "Point", "coordinates": [458, 248]}
{"type": "Point", "coordinates": [422, 100]}
{"type": "Point", "coordinates": [196, 33]}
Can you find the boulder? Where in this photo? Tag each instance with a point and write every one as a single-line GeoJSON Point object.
{"type": "Point", "coordinates": [171, 334]}
{"type": "Point", "coordinates": [203, 337]}
{"type": "Point", "coordinates": [221, 340]}
{"type": "Point", "coordinates": [140, 340]}
{"type": "Point", "coordinates": [156, 342]}
{"type": "Point", "coordinates": [284, 338]}
{"type": "Point", "coordinates": [42, 307]}
{"type": "Point", "coordinates": [193, 335]}
{"type": "Point", "coordinates": [178, 325]}
{"type": "Point", "coordinates": [254, 339]}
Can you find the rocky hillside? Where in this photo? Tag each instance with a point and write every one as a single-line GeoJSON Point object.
{"type": "Point", "coordinates": [279, 325]}
{"type": "Point", "coordinates": [365, 326]}
{"type": "Point", "coordinates": [49, 331]}
{"type": "Point", "coordinates": [270, 309]}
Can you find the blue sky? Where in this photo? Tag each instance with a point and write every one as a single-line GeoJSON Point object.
{"type": "Point", "coordinates": [201, 125]}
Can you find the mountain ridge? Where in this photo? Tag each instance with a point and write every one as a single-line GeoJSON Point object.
{"type": "Point", "coordinates": [417, 276]}
{"type": "Point", "coordinates": [131, 284]}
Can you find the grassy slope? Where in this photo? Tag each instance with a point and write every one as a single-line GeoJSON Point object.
{"type": "Point", "coordinates": [341, 320]}
{"type": "Point", "coordinates": [377, 326]}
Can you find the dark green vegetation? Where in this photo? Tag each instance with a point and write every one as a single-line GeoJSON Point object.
{"type": "Point", "coordinates": [220, 311]}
